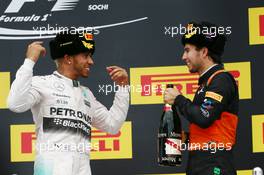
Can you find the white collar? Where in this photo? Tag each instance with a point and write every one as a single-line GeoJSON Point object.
{"type": "Point", "coordinates": [208, 69]}
{"type": "Point", "coordinates": [69, 81]}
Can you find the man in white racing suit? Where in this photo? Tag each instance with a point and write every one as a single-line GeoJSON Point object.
{"type": "Point", "coordinates": [63, 110]}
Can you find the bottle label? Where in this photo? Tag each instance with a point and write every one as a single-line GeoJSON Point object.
{"type": "Point", "coordinates": [173, 146]}
{"type": "Point", "coordinates": [174, 134]}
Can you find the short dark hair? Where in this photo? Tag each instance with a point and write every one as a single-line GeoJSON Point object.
{"type": "Point", "coordinates": [215, 58]}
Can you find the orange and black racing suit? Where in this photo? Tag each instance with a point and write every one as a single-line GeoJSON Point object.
{"type": "Point", "coordinates": [213, 122]}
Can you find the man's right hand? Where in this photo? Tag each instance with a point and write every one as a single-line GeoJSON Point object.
{"type": "Point", "coordinates": [34, 51]}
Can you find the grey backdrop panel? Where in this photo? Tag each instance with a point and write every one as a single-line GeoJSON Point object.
{"type": "Point", "coordinates": [139, 44]}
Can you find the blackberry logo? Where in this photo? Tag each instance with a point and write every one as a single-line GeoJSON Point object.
{"type": "Point", "coordinates": [57, 121]}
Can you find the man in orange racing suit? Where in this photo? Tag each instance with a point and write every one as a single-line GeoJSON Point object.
{"type": "Point", "coordinates": [213, 112]}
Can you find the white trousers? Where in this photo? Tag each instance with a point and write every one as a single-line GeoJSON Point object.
{"type": "Point", "coordinates": [62, 163]}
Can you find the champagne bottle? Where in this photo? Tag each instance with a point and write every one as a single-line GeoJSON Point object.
{"type": "Point", "coordinates": [169, 137]}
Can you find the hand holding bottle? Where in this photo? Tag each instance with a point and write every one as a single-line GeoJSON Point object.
{"type": "Point", "coordinates": [169, 137]}
{"type": "Point", "coordinates": [170, 95]}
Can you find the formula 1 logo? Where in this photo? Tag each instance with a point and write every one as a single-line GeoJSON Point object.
{"type": "Point", "coordinates": [148, 84]}
{"type": "Point", "coordinates": [16, 5]}
{"type": "Point", "coordinates": [27, 13]}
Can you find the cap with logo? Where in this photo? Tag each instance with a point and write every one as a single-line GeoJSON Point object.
{"type": "Point", "coordinates": [205, 34]}
{"type": "Point", "coordinates": [71, 44]}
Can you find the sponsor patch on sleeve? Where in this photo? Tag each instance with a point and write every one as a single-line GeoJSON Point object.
{"type": "Point", "coordinates": [214, 96]}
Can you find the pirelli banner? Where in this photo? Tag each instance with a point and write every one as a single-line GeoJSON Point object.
{"type": "Point", "coordinates": [256, 25]}
{"type": "Point", "coordinates": [143, 37]}
{"type": "Point", "coordinates": [148, 84]}
{"type": "Point", "coordinates": [117, 146]}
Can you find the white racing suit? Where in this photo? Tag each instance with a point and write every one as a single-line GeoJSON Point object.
{"type": "Point", "coordinates": [63, 112]}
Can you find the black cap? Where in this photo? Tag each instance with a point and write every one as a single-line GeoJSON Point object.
{"type": "Point", "coordinates": [71, 44]}
{"type": "Point", "coordinates": [205, 34]}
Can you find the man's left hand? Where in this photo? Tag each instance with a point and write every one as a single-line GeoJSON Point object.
{"type": "Point", "coordinates": [118, 75]}
{"type": "Point", "coordinates": [170, 94]}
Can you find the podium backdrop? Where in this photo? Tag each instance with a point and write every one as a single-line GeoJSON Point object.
{"type": "Point", "coordinates": [143, 37]}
